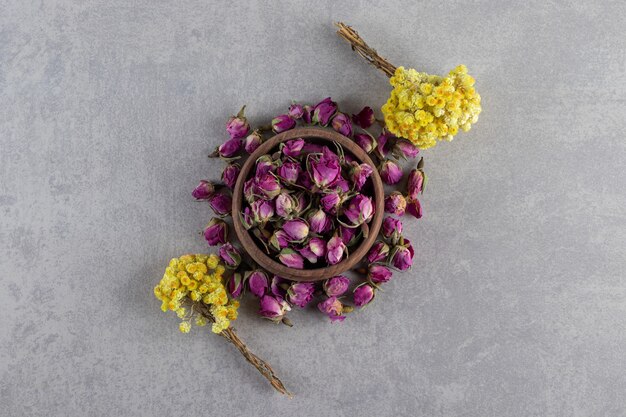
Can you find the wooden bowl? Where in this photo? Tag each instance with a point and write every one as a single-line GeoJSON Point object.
{"type": "Point", "coordinates": [316, 274]}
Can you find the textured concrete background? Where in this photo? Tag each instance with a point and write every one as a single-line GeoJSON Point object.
{"type": "Point", "coordinates": [517, 305]}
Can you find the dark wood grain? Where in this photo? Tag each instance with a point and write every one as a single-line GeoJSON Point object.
{"type": "Point", "coordinates": [316, 274]}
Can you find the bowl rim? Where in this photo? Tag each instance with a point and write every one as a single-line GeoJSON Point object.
{"type": "Point", "coordinates": [316, 274]}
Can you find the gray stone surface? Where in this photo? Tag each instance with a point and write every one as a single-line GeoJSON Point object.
{"type": "Point", "coordinates": [517, 305]}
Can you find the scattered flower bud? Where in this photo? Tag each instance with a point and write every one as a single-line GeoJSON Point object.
{"type": "Point", "coordinates": [384, 143]}
{"type": "Point", "coordinates": [296, 229]}
{"type": "Point", "coordinates": [296, 111]}
{"type": "Point", "coordinates": [324, 111]}
{"type": "Point", "coordinates": [267, 186]}
{"type": "Point", "coordinates": [415, 184]}
{"type": "Point", "coordinates": [317, 246]}
{"type": "Point", "coordinates": [324, 169]}
{"type": "Point", "coordinates": [301, 203]}
{"type": "Point", "coordinates": [262, 210]}
{"type": "Point", "coordinates": [282, 123]}
{"type": "Point", "coordinates": [395, 203]}
{"type": "Point", "coordinates": [359, 173]}
{"type": "Point", "coordinates": [341, 185]}
{"type": "Point", "coordinates": [258, 283]}
{"type": "Point", "coordinates": [390, 172]}
{"type": "Point", "coordinates": [289, 172]}
{"type": "Point", "coordinates": [279, 286]}
{"type": "Point", "coordinates": [379, 274]}
{"type": "Point", "coordinates": [336, 286]}
{"type": "Point", "coordinates": [230, 174]}
{"type": "Point", "coordinates": [253, 141]}
{"type": "Point", "coordinates": [237, 126]}
{"type": "Point", "coordinates": [392, 229]}
{"type": "Point", "coordinates": [235, 285]}
{"type": "Point", "coordinates": [216, 232]}
{"type": "Point", "coordinates": [348, 235]}
{"type": "Point", "coordinates": [365, 141]}
{"type": "Point", "coordinates": [300, 293]}
{"type": "Point", "coordinates": [292, 148]}
{"type": "Point", "coordinates": [333, 308]}
{"type": "Point", "coordinates": [307, 115]}
{"type": "Point", "coordinates": [230, 255]}
{"type": "Point", "coordinates": [273, 308]}
{"type": "Point", "coordinates": [342, 124]}
{"type": "Point", "coordinates": [402, 256]}
{"type": "Point", "coordinates": [291, 258]}
{"type": "Point", "coordinates": [414, 208]}
{"type": "Point", "coordinates": [360, 210]}
{"type": "Point", "coordinates": [330, 202]}
{"type": "Point", "coordinates": [320, 222]}
{"type": "Point", "coordinates": [229, 148]}
{"type": "Point", "coordinates": [404, 149]}
{"type": "Point", "coordinates": [335, 249]}
{"type": "Point", "coordinates": [365, 118]}
{"type": "Point", "coordinates": [285, 205]}
{"type": "Point", "coordinates": [279, 240]}
{"type": "Point", "coordinates": [363, 295]}
{"type": "Point", "coordinates": [378, 252]}
{"type": "Point", "coordinates": [264, 165]}
{"type": "Point", "coordinates": [221, 203]}
{"type": "Point", "coordinates": [203, 191]}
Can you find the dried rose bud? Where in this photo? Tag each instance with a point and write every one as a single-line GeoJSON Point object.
{"type": "Point", "coordinates": [262, 210]}
{"type": "Point", "coordinates": [300, 293]}
{"type": "Point", "coordinates": [320, 222]}
{"type": "Point", "coordinates": [296, 111]}
{"type": "Point", "coordinates": [301, 202]}
{"type": "Point", "coordinates": [249, 190]}
{"type": "Point", "coordinates": [279, 240]}
{"type": "Point", "coordinates": [282, 123]}
{"type": "Point", "coordinates": [336, 286]}
{"type": "Point", "coordinates": [304, 180]}
{"type": "Point", "coordinates": [395, 203]}
{"type": "Point", "coordinates": [253, 141]}
{"type": "Point", "coordinates": [348, 235]}
{"type": "Point", "coordinates": [230, 174]}
{"type": "Point", "coordinates": [404, 149]}
{"type": "Point", "coordinates": [365, 141]}
{"type": "Point", "coordinates": [392, 229]}
{"type": "Point", "coordinates": [330, 202]}
{"type": "Point", "coordinates": [264, 165]}
{"type": "Point", "coordinates": [229, 148]}
{"type": "Point", "coordinates": [307, 114]}
{"type": "Point", "coordinates": [365, 118]}
{"type": "Point", "coordinates": [414, 208]}
{"type": "Point", "coordinates": [257, 283]}
{"type": "Point", "coordinates": [230, 255]}
{"type": "Point", "coordinates": [324, 111]}
{"type": "Point", "coordinates": [402, 256]}
{"type": "Point", "coordinates": [308, 254]}
{"type": "Point", "coordinates": [378, 252]}
{"type": "Point", "coordinates": [415, 184]}
{"type": "Point", "coordinates": [384, 143]}
{"type": "Point", "coordinates": [292, 148]}
{"type": "Point", "coordinates": [203, 191]}
{"type": "Point", "coordinates": [363, 295]}
{"type": "Point", "coordinates": [359, 173]}
{"type": "Point", "coordinates": [285, 205]}
{"type": "Point", "coordinates": [279, 286]}
{"type": "Point", "coordinates": [360, 210]}
{"type": "Point", "coordinates": [291, 258]}
{"type": "Point", "coordinates": [235, 285]}
{"type": "Point", "coordinates": [379, 274]}
{"type": "Point", "coordinates": [324, 169]}
{"type": "Point", "coordinates": [335, 249]}
{"type": "Point", "coordinates": [342, 124]}
{"type": "Point", "coordinates": [296, 229]}
{"type": "Point", "coordinates": [247, 218]}
{"type": "Point", "coordinates": [341, 185]}
{"type": "Point", "coordinates": [390, 172]}
{"type": "Point", "coordinates": [216, 232]}
{"type": "Point", "coordinates": [289, 172]}
{"type": "Point", "coordinates": [273, 308]}
{"type": "Point", "coordinates": [221, 203]}
{"type": "Point", "coordinates": [237, 126]}
{"type": "Point", "coordinates": [333, 308]}
{"type": "Point", "coordinates": [317, 246]}
{"type": "Point", "coordinates": [267, 186]}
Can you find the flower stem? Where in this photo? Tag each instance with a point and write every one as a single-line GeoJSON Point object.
{"type": "Point", "coordinates": [360, 47]}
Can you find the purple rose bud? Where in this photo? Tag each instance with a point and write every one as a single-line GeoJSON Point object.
{"type": "Point", "coordinates": [342, 124]}
{"type": "Point", "coordinates": [257, 283]}
{"type": "Point", "coordinates": [402, 256]}
{"type": "Point", "coordinates": [365, 118]}
{"type": "Point", "coordinates": [335, 249]}
{"type": "Point", "coordinates": [249, 190]}
{"type": "Point", "coordinates": [324, 169]}
{"type": "Point", "coordinates": [203, 191]}
{"type": "Point", "coordinates": [359, 173]}
{"type": "Point", "coordinates": [264, 165]}
{"type": "Point", "coordinates": [235, 285]}
{"type": "Point", "coordinates": [414, 208]}
{"type": "Point", "coordinates": [384, 143]}
{"type": "Point", "coordinates": [229, 148]}
{"type": "Point", "coordinates": [348, 235]}
{"type": "Point", "coordinates": [330, 202]}
{"type": "Point", "coordinates": [230, 174]}
{"type": "Point", "coordinates": [279, 240]}
{"type": "Point", "coordinates": [333, 308]}
{"type": "Point", "coordinates": [300, 293]}
{"type": "Point", "coordinates": [390, 172]}
{"type": "Point", "coordinates": [379, 274]}
{"type": "Point", "coordinates": [293, 148]}
{"type": "Point", "coordinates": [365, 141]}
{"type": "Point", "coordinates": [395, 203]}
{"type": "Point", "coordinates": [360, 210]}
{"type": "Point", "coordinates": [282, 123]}
{"type": "Point", "coordinates": [307, 115]}
{"type": "Point", "coordinates": [341, 184]}
{"type": "Point", "coordinates": [289, 172]}
{"type": "Point", "coordinates": [247, 218]}
{"type": "Point", "coordinates": [363, 295]}
{"type": "Point", "coordinates": [273, 308]}
{"type": "Point", "coordinates": [237, 126]}
{"type": "Point", "coordinates": [216, 232]}
{"type": "Point", "coordinates": [391, 227]}
{"type": "Point", "coordinates": [301, 202]}
{"type": "Point", "coordinates": [308, 254]}
{"type": "Point", "coordinates": [378, 252]}
{"type": "Point", "coordinates": [324, 111]}
{"type": "Point", "coordinates": [320, 222]}
{"type": "Point", "coordinates": [296, 111]}
{"type": "Point", "coordinates": [285, 205]}
{"type": "Point", "coordinates": [336, 286]}
{"type": "Point", "coordinates": [291, 258]}
{"type": "Point", "coordinates": [304, 180]}
{"type": "Point", "coordinates": [253, 141]}
{"type": "Point", "coordinates": [262, 210]}
{"type": "Point", "coordinates": [267, 186]}
{"type": "Point", "coordinates": [415, 184]}
{"type": "Point", "coordinates": [404, 149]}
{"type": "Point", "coordinates": [296, 229]}
{"type": "Point", "coordinates": [230, 255]}
{"type": "Point", "coordinates": [279, 286]}
{"type": "Point", "coordinates": [317, 246]}
{"type": "Point", "coordinates": [221, 203]}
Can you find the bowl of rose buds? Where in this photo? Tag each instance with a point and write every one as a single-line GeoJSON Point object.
{"type": "Point", "coordinates": [308, 204]}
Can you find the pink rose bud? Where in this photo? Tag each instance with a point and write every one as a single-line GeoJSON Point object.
{"type": "Point", "coordinates": [264, 165]}
{"type": "Point", "coordinates": [324, 111]}
{"type": "Point", "coordinates": [335, 249]}
{"type": "Point", "coordinates": [378, 252]}
{"type": "Point", "coordinates": [262, 210]}
{"type": "Point", "coordinates": [342, 124]}
{"type": "Point", "coordinates": [324, 169]}
{"type": "Point", "coordinates": [392, 229]}
{"type": "Point", "coordinates": [363, 295]}
{"type": "Point", "coordinates": [414, 208]}
{"type": "Point", "coordinates": [237, 126]}
{"type": "Point", "coordinates": [317, 246]}
{"type": "Point", "coordinates": [273, 308]}
{"type": "Point", "coordinates": [257, 283]}
{"type": "Point", "coordinates": [229, 148]}
{"type": "Point", "coordinates": [415, 184]}
{"type": "Point", "coordinates": [301, 202]}
{"type": "Point", "coordinates": [336, 286]}
{"type": "Point", "coordinates": [296, 111]}
{"type": "Point", "coordinates": [230, 255]}
{"type": "Point", "coordinates": [390, 172]}
{"type": "Point", "coordinates": [307, 254]}
{"type": "Point", "coordinates": [293, 148]}
{"type": "Point", "coordinates": [359, 173]}
{"type": "Point", "coordinates": [395, 203]}
{"type": "Point", "coordinates": [384, 143]}
{"type": "Point", "coordinates": [365, 141]}
{"type": "Point", "coordinates": [235, 285]}
{"type": "Point", "coordinates": [296, 229]}
{"type": "Point", "coordinates": [304, 180]}
{"type": "Point", "coordinates": [330, 202]}
{"type": "Point", "coordinates": [360, 210]}
{"type": "Point", "coordinates": [267, 186]}
{"type": "Point", "coordinates": [320, 222]}
{"type": "Point", "coordinates": [216, 232]}
{"type": "Point", "coordinates": [247, 218]}
{"type": "Point", "coordinates": [404, 149]}
{"type": "Point", "coordinates": [291, 258]}
{"type": "Point", "coordinates": [300, 293]}
{"type": "Point", "coordinates": [282, 123]}
{"type": "Point", "coordinates": [221, 203]}
{"type": "Point", "coordinates": [402, 256]}
{"type": "Point", "coordinates": [253, 141]}
{"type": "Point", "coordinates": [289, 172]}
{"type": "Point", "coordinates": [230, 174]}
{"type": "Point", "coordinates": [379, 274]}
{"type": "Point", "coordinates": [203, 191]}
{"type": "Point", "coordinates": [307, 114]}
{"type": "Point", "coordinates": [279, 286]}
{"type": "Point", "coordinates": [341, 185]}
{"type": "Point", "coordinates": [279, 240]}
{"type": "Point", "coordinates": [365, 118]}
{"type": "Point", "coordinates": [333, 308]}
{"type": "Point", "coordinates": [249, 190]}
{"type": "Point", "coordinates": [348, 235]}
{"type": "Point", "coordinates": [285, 205]}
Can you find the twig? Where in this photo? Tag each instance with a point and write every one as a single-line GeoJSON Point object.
{"type": "Point", "coordinates": [360, 47]}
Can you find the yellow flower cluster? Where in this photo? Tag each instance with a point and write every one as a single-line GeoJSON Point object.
{"type": "Point", "coordinates": [425, 108]}
{"type": "Point", "coordinates": [196, 279]}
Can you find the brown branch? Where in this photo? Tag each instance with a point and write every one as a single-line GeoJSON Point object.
{"type": "Point", "coordinates": [360, 47]}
